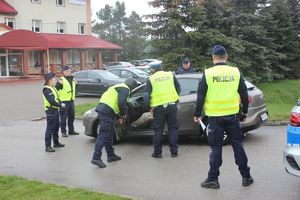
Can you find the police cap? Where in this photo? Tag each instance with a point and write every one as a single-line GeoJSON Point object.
{"type": "Point", "coordinates": [131, 83]}
{"type": "Point", "coordinates": [48, 76]}
{"type": "Point", "coordinates": [219, 50]}
{"type": "Point", "coordinates": [156, 65]}
{"type": "Point", "coordinates": [64, 68]}
{"type": "Point", "coordinates": [185, 61]}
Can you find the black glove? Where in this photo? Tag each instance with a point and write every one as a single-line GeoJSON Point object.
{"type": "Point", "coordinates": [243, 116]}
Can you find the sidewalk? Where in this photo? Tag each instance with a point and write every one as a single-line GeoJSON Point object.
{"type": "Point", "coordinates": [16, 79]}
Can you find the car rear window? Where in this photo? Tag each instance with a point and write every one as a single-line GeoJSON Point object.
{"type": "Point", "coordinates": [188, 85]}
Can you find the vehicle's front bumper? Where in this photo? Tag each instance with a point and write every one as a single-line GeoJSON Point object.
{"type": "Point", "coordinates": [291, 159]}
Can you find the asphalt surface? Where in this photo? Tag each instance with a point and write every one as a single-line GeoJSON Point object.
{"type": "Point", "coordinates": [23, 100]}
{"type": "Point", "coordinates": [137, 174]}
{"type": "Point", "coordinates": [141, 176]}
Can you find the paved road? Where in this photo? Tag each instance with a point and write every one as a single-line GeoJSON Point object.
{"type": "Point", "coordinates": [140, 176]}
{"type": "Point", "coordinates": [23, 100]}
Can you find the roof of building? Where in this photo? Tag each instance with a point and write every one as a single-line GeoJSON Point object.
{"type": "Point", "coordinates": [6, 8]}
{"type": "Point", "coordinates": [28, 40]}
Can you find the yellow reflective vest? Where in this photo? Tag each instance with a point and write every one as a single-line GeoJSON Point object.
{"type": "Point", "coordinates": [47, 105]}
{"type": "Point", "coordinates": [222, 96]}
{"type": "Point", "coordinates": [67, 93]}
{"type": "Point", "coordinates": [110, 97]}
{"type": "Point", "coordinates": [163, 89]}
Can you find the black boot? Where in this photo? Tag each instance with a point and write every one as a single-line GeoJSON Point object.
{"type": "Point", "coordinates": [210, 184]}
{"type": "Point", "coordinates": [49, 149]}
{"type": "Point", "coordinates": [154, 155]}
{"type": "Point", "coordinates": [64, 134]}
{"type": "Point", "coordinates": [58, 145]}
{"type": "Point", "coordinates": [247, 181]}
{"type": "Point", "coordinates": [99, 163]}
{"type": "Point", "coordinates": [73, 133]}
{"type": "Point", "coordinates": [113, 158]}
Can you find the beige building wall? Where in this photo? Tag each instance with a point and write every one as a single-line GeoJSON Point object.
{"type": "Point", "coordinates": [49, 13]}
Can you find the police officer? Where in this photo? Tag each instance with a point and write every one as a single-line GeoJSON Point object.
{"type": "Point", "coordinates": [185, 68]}
{"type": "Point", "coordinates": [162, 93]}
{"type": "Point", "coordinates": [51, 104]}
{"type": "Point", "coordinates": [112, 104]}
{"type": "Point", "coordinates": [219, 91]}
{"type": "Point", "coordinates": [67, 89]}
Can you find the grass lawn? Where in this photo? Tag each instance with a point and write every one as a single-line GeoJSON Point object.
{"type": "Point", "coordinates": [82, 108]}
{"type": "Point", "coordinates": [12, 188]}
{"type": "Point", "coordinates": [280, 97]}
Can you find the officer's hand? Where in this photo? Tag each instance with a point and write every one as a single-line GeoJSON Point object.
{"type": "Point", "coordinates": [76, 82]}
{"type": "Point", "coordinates": [151, 110]}
{"type": "Point", "coordinates": [60, 81]}
{"type": "Point", "coordinates": [243, 117]}
{"type": "Point", "coordinates": [121, 120]}
{"type": "Point", "coordinates": [197, 119]}
{"type": "Point", "coordinates": [63, 105]}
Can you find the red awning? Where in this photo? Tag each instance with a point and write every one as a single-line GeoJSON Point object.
{"type": "Point", "coordinates": [28, 40]}
{"type": "Point", "coordinates": [72, 41]}
{"type": "Point", "coordinates": [23, 40]}
{"type": "Point", "coordinates": [6, 8]}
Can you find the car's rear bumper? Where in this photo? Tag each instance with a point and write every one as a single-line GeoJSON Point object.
{"type": "Point", "coordinates": [255, 120]}
{"type": "Point", "coordinates": [291, 159]}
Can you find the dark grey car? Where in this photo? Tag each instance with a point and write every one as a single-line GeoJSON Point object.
{"type": "Point", "coordinates": [95, 82]}
{"type": "Point", "coordinates": [257, 114]}
{"type": "Point", "coordinates": [130, 72]}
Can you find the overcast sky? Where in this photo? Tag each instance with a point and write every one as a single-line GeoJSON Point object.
{"type": "Point", "coordinates": [140, 6]}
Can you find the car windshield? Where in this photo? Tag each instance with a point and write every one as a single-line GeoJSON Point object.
{"type": "Point", "coordinates": [140, 72]}
{"type": "Point", "coordinates": [107, 75]}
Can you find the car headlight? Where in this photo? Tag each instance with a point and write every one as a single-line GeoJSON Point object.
{"type": "Point", "coordinates": [89, 112]}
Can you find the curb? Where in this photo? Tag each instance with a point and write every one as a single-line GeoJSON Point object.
{"type": "Point", "coordinates": [276, 123]}
{"type": "Point", "coordinates": [20, 79]}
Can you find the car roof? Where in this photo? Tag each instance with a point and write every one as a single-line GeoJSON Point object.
{"type": "Point", "coordinates": [189, 75]}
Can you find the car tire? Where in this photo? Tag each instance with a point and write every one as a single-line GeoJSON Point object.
{"type": "Point", "coordinates": [96, 127]}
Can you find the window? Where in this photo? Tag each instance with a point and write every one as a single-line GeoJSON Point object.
{"type": "Point", "coordinates": [61, 27]}
{"type": "Point", "coordinates": [81, 29]}
{"type": "Point", "coordinates": [188, 86]}
{"type": "Point", "coordinates": [37, 25]}
{"type": "Point", "coordinates": [60, 2]}
{"type": "Point", "coordinates": [35, 1]}
{"type": "Point", "coordinates": [92, 76]}
{"type": "Point", "coordinates": [126, 74]}
{"type": "Point", "coordinates": [81, 75]}
{"type": "Point", "coordinates": [115, 72]}
{"type": "Point", "coordinates": [10, 22]}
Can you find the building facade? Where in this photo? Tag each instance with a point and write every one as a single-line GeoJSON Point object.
{"type": "Point", "coordinates": [37, 36]}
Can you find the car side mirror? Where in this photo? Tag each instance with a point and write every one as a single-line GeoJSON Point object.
{"type": "Point", "coordinates": [98, 80]}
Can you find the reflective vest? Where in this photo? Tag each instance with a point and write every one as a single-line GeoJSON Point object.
{"type": "Point", "coordinates": [67, 93]}
{"type": "Point", "coordinates": [222, 96]}
{"type": "Point", "coordinates": [47, 105]}
{"type": "Point", "coordinates": [163, 89]}
{"type": "Point", "coordinates": [110, 97]}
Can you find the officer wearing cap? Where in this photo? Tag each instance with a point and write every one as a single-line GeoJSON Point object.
{"type": "Point", "coordinates": [51, 105]}
{"type": "Point", "coordinates": [66, 87]}
{"type": "Point", "coordinates": [162, 94]}
{"type": "Point", "coordinates": [219, 91]}
{"type": "Point", "coordinates": [185, 68]}
{"type": "Point", "coordinates": [112, 105]}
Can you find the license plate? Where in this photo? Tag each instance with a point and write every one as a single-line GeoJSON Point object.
{"type": "Point", "coordinates": [264, 117]}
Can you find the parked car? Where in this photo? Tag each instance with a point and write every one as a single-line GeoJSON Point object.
{"type": "Point", "coordinates": [118, 65]}
{"type": "Point", "coordinates": [257, 114]}
{"type": "Point", "coordinates": [145, 68]}
{"type": "Point", "coordinates": [291, 153]}
{"type": "Point", "coordinates": [130, 72]}
{"type": "Point", "coordinates": [95, 82]}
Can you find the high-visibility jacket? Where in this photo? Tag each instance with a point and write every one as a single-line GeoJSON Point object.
{"type": "Point", "coordinates": [47, 105]}
{"type": "Point", "coordinates": [222, 96]}
{"type": "Point", "coordinates": [110, 97]}
{"type": "Point", "coordinates": [67, 93]}
{"type": "Point", "coordinates": [163, 89]}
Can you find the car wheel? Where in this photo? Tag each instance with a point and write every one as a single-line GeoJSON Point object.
{"type": "Point", "coordinates": [96, 129]}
